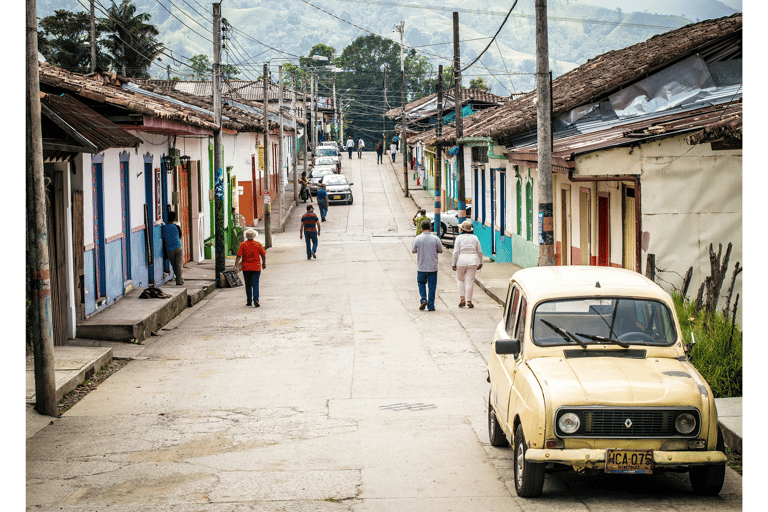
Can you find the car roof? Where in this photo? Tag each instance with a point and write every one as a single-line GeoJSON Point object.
{"type": "Point", "coordinates": [540, 283]}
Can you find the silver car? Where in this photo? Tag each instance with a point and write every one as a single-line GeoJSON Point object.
{"type": "Point", "coordinates": [315, 176]}
{"type": "Point", "coordinates": [338, 188]}
{"type": "Point", "coordinates": [449, 222]}
{"type": "Point", "coordinates": [330, 153]}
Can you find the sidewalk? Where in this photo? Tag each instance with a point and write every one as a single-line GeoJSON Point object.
{"type": "Point", "coordinates": [494, 277]}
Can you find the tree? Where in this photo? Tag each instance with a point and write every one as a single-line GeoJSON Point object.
{"type": "Point", "coordinates": [201, 67]}
{"type": "Point", "coordinates": [480, 83]}
{"type": "Point", "coordinates": [64, 40]}
{"type": "Point", "coordinates": [132, 43]}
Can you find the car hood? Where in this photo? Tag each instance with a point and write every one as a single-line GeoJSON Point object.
{"type": "Point", "coordinates": [616, 380]}
{"type": "Point", "coordinates": [337, 188]}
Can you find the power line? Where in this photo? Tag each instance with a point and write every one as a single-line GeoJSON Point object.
{"type": "Point", "coordinates": [492, 39]}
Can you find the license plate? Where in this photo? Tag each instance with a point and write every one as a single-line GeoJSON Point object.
{"type": "Point", "coordinates": [629, 461]}
{"type": "Point", "coordinates": [335, 197]}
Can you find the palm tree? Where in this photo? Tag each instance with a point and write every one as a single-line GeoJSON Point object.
{"type": "Point", "coordinates": [132, 43]}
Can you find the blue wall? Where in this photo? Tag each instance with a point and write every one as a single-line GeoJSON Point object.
{"type": "Point", "coordinates": [139, 270]}
{"type": "Point", "coordinates": [512, 249]}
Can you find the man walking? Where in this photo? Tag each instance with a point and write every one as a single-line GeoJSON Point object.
{"type": "Point", "coordinates": [350, 146]}
{"type": "Point", "coordinates": [310, 226]}
{"type": "Point", "coordinates": [172, 240]}
{"type": "Point", "coordinates": [421, 215]}
{"type": "Point", "coordinates": [360, 146]}
{"type": "Point", "coordinates": [426, 246]}
{"type": "Point", "coordinates": [380, 152]}
{"type": "Point", "coordinates": [393, 151]}
{"type": "Point", "coordinates": [322, 201]}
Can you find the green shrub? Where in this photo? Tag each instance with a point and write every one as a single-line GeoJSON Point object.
{"type": "Point", "coordinates": [715, 354]}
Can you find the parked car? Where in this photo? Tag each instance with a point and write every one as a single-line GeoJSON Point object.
{"type": "Point", "coordinates": [588, 371]}
{"type": "Point", "coordinates": [331, 144]}
{"type": "Point", "coordinates": [324, 162]}
{"type": "Point", "coordinates": [315, 176]}
{"type": "Point", "coordinates": [449, 222]}
{"type": "Point", "coordinates": [338, 188]}
{"type": "Point", "coordinates": [331, 153]}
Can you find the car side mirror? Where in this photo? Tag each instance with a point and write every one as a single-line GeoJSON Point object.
{"type": "Point", "coordinates": [504, 347]}
{"type": "Point", "coordinates": [350, 184]}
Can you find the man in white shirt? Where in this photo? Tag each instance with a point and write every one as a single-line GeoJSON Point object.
{"type": "Point", "coordinates": [393, 150]}
{"type": "Point", "coordinates": [360, 146]}
{"type": "Point", "coordinates": [350, 145]}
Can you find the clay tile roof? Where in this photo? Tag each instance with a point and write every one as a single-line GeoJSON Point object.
{"type": "Point", "coordinates": [604, 75]}
{"type": "Point", "coordinates": [467, 95]}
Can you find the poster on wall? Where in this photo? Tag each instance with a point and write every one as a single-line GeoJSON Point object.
{"type": "Point", "coordinates": [158, 195]}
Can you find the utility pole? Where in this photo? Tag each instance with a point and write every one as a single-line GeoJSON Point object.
{"type": "Point", "coordinates": [93, 38]}
{"type": "Point", "coordinates": [313, 93]}
{"type": "Point", "coordinates": [335, 107]}
{"type": "Point", "coordinates": [386, 107]}
{"type": "Point", "coordinates": [294, 151]}
{"type": "Point", "coordinates": [544, 138]}
{"type": "Point", "coordinates": [459, 121]}
{"type": "Point", "coordinates": [267, 198]}
{"type": "Point", "coordinates": [218, 164]}
{"type": "Point", "coordinates": [401, 28]}
{"type": "Point", "coordinates": [280, 155]}
{"type": "Point", "coordinates": [304, 113]}
{"type": "Point", "coordinates": [439, 151]}
{"type": "Point", "coordinates": [38, 264]}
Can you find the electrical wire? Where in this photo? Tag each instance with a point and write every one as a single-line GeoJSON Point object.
{"type": "Point", "coordinates": [492, 40]}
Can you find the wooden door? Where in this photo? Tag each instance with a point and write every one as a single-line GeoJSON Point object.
{"type": "Point", "coordinates": [78, 252]}
{"type": "Point", "coordinates": [184, 214]}
{"type": "Point", "coordinates": [629, 257]}
{"type": "Point", "coordinates": [603, 230]}
{"type": "Point", "coordinates": [56, 213]}
{"type": "Point", "coordinates": [565, 225]}
{"type": "Point", "coordinates": [245, 202]}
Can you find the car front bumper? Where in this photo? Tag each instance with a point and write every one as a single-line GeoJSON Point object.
{"type": "Point", "coordinates": [336, 197]}
{"type": "Point", "coordinates": [595, 458]}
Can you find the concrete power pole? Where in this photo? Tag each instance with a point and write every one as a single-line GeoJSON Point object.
{"type": "Point", "coordinates": [294, 150]}
{"type": "Point", "coordinates": [218, 164]}
{"type": "Point", "coordinates": [438, 150]}
{"type": "Point", "coordinates": [304, 113]}
{"type": "Point", "coordinates": [280, 153]}
{"type": "Point", "coordinates": [544, 138]}
{"type": "Point", "coordinates": [401, 28]}
{"type": "Point", "coordinates": [335, 107]}
{"type": "Point", "coordinates": [38, 263]}
{"type": "Point", "coordinates": [459, 121]}
{"type": "Point", "coordinates": [267, 205]}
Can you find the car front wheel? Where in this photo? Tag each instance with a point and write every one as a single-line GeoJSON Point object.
{"type": "Point", "coordinates": [708, 480]}
{"type": "Point", "coordinates": [495, 433]}
{"type": "Point", "coordinates": [529, 476]}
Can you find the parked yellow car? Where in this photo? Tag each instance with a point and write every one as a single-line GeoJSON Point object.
{"type": "Point", "coordinates": [587, 370]}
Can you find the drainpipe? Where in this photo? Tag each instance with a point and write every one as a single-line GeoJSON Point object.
{"type": "Point", "coordinates": [638, 218]}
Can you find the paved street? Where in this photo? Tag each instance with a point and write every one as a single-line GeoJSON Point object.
{"type": "Point", "coordinates": [336, 394]}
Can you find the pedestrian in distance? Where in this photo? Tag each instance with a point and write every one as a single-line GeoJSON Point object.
{"type": "Point", "coordinates": [421, 215]}
{"type": "Point", "coordinates": [310, 230]}
{"type": "Point", "coordinates": [350, 146]}
{"type": "Point", "coordinates": [172, 242]}
{"type": "Point", "coordinates": [251, 259]}
{"type": "Point", "coordinates": [467, 260]}
{"type": "Point", "coordinates": [380, 152]}
{"type": "Point", "coordinates": [393, 151]}
{"type": "Point", "coordinates": [322, 201]}
{"type": "Point", "coordinates": [426, 246]}
{"type": "Point", "coordinates": [360, 146]}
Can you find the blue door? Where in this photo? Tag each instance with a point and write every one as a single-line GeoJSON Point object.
{"type": "Point", "coordinates": [493, 211]}
{"type": "Point", "coordinates": [99, 240]}
{"type": "Point", "coordinates": [149, 214]}
{"type": "Point", "coordinates": [125, 199]}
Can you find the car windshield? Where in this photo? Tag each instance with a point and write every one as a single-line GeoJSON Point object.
{"type": "Point", "coordinates": [334, 179]}
{"type": "Point", "coordinates": [319, 173]}
{"type": "Point", "coordinates": [327, 152]}
{"type": "Point", "coordinates": [603, 320]}
{"type": "Point", "coordinates": [324, 161]}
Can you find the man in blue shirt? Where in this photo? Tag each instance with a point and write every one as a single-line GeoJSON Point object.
{"type": "Point", "coordinates": [322, 201]}
{"type": "Point", "coordinates": [172, 241]}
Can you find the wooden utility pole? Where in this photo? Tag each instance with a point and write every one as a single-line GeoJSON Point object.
{"type": "Point", "coordinates": [544, 138]}
{"type": "Point", "coordinates": [313, 95]}
{"type": "Point", "coordinates": [459, 121]}
{"type": "Point", "coordinates": [93, 38]}
{"type": "Point", "coordinates": [40, 309]}
{"type": "Point", "coordinates": [294, 150]}
{"type": "Point", "coordinates": [218, 164]}
{"type": "Point", "coordinates": [280, 155]}
{"type": "Point", "coordinates": [401, 28]}
{"type": "Point", "coordinates": [438, 151]}
{"type": "Point", "coordinates": [304, 113]}
{"type": "Point", "coordinates": [267, 197]}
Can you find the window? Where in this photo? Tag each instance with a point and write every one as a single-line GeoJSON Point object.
{"type": "Point", "coordinates": [521, 321]}
{"type": "Point", "coordinates": [480, 154]}
{"type": "Point", "coordinates": [519, 205]}
{"type": "Point", "coordinates": [512, 311]}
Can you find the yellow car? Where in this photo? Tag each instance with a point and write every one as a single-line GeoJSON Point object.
{"type": "Point", "coordinates": [587, 370]}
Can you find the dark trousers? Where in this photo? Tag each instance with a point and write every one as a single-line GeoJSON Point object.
{"type": "Point", "coordinates": [310, 237]}
{"type": "Point", "coordinates": [379, 157]}
{"type": "Point", "coordinates": [350, 152]}
{"type": "Point", "coordinates": [427, 280]}
{"type": "Point", "coordinates": [323, 208]}
{"type": "Point", "coordinates": [175, 256]}
{"type": "Point", "coordinates": [251, 278]}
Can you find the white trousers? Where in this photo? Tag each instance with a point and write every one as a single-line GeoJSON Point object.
{"type": "Point", "coordinates": [465, 278]}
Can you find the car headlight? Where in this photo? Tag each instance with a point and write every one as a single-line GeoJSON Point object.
{"type": "Point", "coordinates": [569, 423]}
{"type": "Point", "coordinates": [685, 423]}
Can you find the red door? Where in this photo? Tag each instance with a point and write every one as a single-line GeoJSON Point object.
{"type": "Point", "coordinates": [603, 230]}
{"type": "Point", "coordinates": [183, 215]}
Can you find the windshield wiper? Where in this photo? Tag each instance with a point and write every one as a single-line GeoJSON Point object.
{"type": "Point", "coordinates": [563, 333]}
{"type": "Point", "coordinates": [595, 337]}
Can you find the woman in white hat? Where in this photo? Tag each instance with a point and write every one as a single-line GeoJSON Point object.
{"type": "Point", "coordinates": [467, 260]}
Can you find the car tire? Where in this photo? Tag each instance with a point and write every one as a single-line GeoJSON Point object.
{"type": "Point", "coordinates": [495, 433]}
{"type": "Point", "coordinates": [708, 480]}
{"type": "Point", "coordinates": [529, 476]}
{"type": "Point", "coordinates": [350, 200]}
{"type": "Point", "coordinates": [444, 229]}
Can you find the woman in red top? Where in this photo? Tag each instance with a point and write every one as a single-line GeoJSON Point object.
{"type": "Point", "coordinates": [248, 255]}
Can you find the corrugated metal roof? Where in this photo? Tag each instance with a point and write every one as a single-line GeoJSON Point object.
{"type": "Point", "coordinates": [95, 128]}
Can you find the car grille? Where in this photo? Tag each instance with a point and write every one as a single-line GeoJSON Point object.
{"type": "Point", "coordinates": [628, 422]}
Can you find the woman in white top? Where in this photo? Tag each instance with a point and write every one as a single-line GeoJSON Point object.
{"type": "Point", "coordinates": [467, 260]}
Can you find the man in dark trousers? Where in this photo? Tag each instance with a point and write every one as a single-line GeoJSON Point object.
{"type": "Point", "coordinates": [322, 201]}
{"type": "Point", "coordinates": [172, 241]}
{"type": "Point", "coordinates": [426, 246]}
{"type": "Point", "coordinates": [310, 226]}
{"type": "Point", "coordinates": [380, 152]}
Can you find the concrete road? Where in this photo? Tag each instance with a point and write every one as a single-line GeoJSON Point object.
{"type": "Point", "coordinates": [336, 394]}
